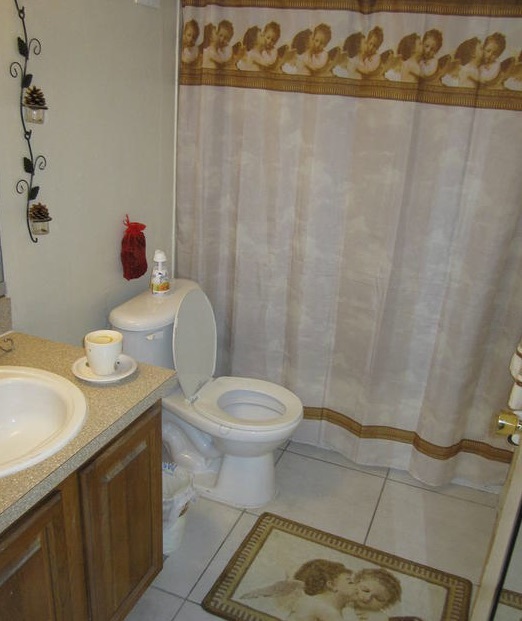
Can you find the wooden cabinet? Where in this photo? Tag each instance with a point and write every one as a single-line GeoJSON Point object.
{"type": "Point", "coordinates": [92, 546]}
{"type": "Point", "coordinates": [122, 512]}
{"type": "Point", "coordinates": [41, 562]}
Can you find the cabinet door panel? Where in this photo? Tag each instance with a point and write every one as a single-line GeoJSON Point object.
{"type": "Point", "coordinates": [35, 571]}
{"type": "Point", "coordinates": [122, 510]}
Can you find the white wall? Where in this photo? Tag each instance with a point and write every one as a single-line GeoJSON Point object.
{"type": "Point", "coordinates": [107, 69]}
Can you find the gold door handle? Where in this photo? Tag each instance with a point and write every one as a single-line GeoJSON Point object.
{"type": "Point", "coordinates": [507, 423]}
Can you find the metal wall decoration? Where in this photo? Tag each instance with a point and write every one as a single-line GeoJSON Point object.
{"type": "Point", "coordinates": [32, 110]}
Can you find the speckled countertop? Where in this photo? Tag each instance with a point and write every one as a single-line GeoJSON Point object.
{"type": "Point", "coordinates": [111, 408]}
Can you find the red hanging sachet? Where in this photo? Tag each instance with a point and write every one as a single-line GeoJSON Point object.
{"type": "Point", "coordinates": [133, 250]}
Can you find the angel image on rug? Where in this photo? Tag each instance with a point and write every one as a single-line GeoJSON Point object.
{"type": "Point", "coordinates": [324, 590]}
{"type": "Point", "coordinates": [287, 571]}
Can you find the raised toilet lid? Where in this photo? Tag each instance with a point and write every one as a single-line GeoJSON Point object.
{"type": "Point", "coordinates": [194, 342]}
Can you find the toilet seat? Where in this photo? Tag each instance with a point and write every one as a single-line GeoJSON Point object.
{"type": "Point", "coordinates": [274, 408]}
{"type": "Point", "coordinates": [280, 407]}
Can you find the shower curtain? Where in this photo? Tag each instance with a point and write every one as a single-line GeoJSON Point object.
{"type": "Point", "coordinates": [349, 195]}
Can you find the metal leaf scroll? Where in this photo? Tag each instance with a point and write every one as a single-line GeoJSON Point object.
{"type": "Point", "coordinates": [30, 162]}
{"type": "Point", "coordinates": [23, 48]}
{"type": "Point", "coordinates": [28, 166]}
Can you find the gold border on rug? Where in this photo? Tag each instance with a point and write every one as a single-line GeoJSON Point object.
{"type": "Point", "coordinates": [511, 599]}
{"type": "Point", "coordinates": [219, 599]}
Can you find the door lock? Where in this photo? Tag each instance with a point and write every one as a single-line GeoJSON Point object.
{"type": "Point", "coordinates": [508, 423]}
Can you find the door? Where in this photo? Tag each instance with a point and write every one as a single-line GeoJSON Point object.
{"type": "Point", "coordinates": [41, 562]}
{"type": "Point", "coordinates": [121, 505]}
{"type": "Point", "coordinates": [498, 596]}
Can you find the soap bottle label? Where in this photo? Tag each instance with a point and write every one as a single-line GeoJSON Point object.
{"type": "Point", "coordinates": [159, 282]}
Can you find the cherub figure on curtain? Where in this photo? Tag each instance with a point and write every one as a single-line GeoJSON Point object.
{"type": "Point", "coordinates": [405, 66]}
{"type": "Point", "coordinates": [373, 64]}
{"type": "Point", "coordinates": [476, 64]}
{"type": "Point", "coordinates": [218, 52]}
{"type": "Point", "coordinates": [190, 53]}
{"type": "Point", "coordinates": [429, 63]}
{"type": "Point", "coordinates": [410, 51]}
{"type": "Point", "coordinates": [490, 67]}
{"type": "Point", "coordinates": [463, 71]}
{"type": "Point", "coordinates": [313, 59]}
{"type": "Point", "coordinates": [350, 57]}
{"type": "Point", "coordinates": [258, 51]}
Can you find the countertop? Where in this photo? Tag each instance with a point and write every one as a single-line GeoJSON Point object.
{"type": "Point", "coordinates": [111, 408]}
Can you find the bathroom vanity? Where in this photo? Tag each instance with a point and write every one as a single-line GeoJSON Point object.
{"type": "Point", "coordinates": [81, 532]}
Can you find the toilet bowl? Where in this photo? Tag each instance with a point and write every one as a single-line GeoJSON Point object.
{"type": "Point", "coordinates": [224, 429]}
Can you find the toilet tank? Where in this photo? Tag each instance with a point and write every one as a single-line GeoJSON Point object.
{"type": "Point", "coordinates": [153, 347]}
{"type": "Point", "coordinates": [146, 322]}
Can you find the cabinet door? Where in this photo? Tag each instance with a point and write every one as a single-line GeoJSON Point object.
{"type": "Point", "coordinates": [41, 563]}
{"type": "Point", "coordinates": [122, 511]}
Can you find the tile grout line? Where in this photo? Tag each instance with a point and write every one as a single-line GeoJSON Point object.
{"type": "Point", "coordinates": [344, 467]}
{"type": "Point", "coordinates": [242, 513]}
{"type": "Point", "coordinates": [419, 486]}
{"type": "Point", "coordinates": [225, 539]}
{"type": "Point", "coordinates": [375, 511]}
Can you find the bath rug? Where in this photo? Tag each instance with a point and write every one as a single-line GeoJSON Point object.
{"type": "Point", "coordinates": [284, 570]}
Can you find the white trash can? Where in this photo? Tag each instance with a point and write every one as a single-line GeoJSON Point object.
{"type": "Point", "coordinates": [178, 493]}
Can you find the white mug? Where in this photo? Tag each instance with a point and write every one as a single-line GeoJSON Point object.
{"type": "Point", "coordinates": [103, 348]}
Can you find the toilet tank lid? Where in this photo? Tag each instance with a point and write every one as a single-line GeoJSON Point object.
{"type": "Point", "coordinates": [150, 312]}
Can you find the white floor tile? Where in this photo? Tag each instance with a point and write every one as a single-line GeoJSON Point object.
{"type": "Point", "coordinates": [456, 491]}
{"type": "Point", "coordinates": [208, 524]}
{"type": "Point", "coordinates": [155, 605]}
{"type": "Point", "coordinates": [322, 495]}
{"type": "Point", "coordinates": [219, 562]}
{"type": "Point", "coordinates": [432, 529]}
{"type": "Point", "coordinates": [333, 457]}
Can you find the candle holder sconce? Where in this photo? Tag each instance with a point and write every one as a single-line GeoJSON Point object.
{"type": "Point", "coordinates": [32, 110]}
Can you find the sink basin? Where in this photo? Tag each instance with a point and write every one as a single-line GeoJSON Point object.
{"type": "Point", "coordinates": [40, 412]}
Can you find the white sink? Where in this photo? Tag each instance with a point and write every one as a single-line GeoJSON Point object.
{"type": "Point", "coordinates": [40, 412]}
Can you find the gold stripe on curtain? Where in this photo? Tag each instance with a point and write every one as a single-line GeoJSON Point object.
{"type": "Point", "coordinates": [379, 432]}
{"type": "Point", "coordinates": [495, 8]}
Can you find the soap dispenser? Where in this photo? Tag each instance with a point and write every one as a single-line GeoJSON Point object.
{"type": "Point", "coordinates": [159, 279]}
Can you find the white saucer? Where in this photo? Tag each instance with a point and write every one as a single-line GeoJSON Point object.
{"type": "Point", "coordinates": [125, 366]}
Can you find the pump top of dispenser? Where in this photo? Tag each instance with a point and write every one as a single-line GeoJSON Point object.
{"type": "Point", "coordinates": [159, 256]}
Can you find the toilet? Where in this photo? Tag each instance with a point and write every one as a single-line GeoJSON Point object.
{"type": "Point", "coordinates": [223, 429]}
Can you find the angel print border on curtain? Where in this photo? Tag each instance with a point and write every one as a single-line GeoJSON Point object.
{"type": "Point", "coordinates": [447, 52]}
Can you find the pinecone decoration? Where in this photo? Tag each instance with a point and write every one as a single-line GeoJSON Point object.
{"type": "Point", "coordinates": [39, 213]}
{"type": "Point", "coordinates": [34, 98]}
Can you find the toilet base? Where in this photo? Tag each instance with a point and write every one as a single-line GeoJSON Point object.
{"type": "Point", "coordinates": [243, 482]}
